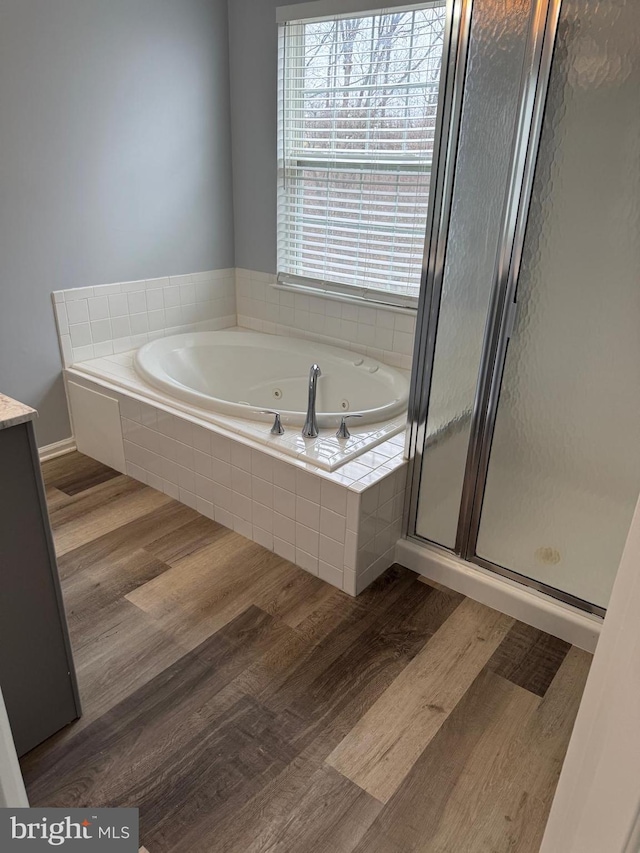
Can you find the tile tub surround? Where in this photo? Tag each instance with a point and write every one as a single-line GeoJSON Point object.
{"type": "Point", "coordinates": [326, 451]}
{"type": "Point", "coordinates": [373, 330]}
{"type": "Point", "coordinates": [93, 322]}
{"type": "Point", "coordinates": [341, 526]}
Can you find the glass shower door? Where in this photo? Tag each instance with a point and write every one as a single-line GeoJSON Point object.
{"type": "Point", "coordinates": [496, 54]}
{"type": "Point", "coordinates": [564, 467]}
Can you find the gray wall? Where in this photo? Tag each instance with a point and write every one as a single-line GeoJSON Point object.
{"type": "Point", "coordinates": [253, 53]}
{"type": "Point", "coordinates": [115, 163]}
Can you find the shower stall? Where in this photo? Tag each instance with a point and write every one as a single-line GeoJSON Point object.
{"type": "Point", "coordinates": [524, 436]}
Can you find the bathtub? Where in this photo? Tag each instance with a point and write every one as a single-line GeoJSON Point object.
{"type": "Point", "coordinates": [241, 373]}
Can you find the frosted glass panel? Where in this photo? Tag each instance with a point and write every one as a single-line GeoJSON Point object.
{"type": "Point", "coordinates": [496, 53]}
{"type": "Point", "coordinates": [564, 470]}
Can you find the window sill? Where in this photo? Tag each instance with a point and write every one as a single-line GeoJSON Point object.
{"type": "Point", "coordinates": [344, 296]}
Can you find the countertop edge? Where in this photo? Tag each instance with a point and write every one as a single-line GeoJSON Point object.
{"type": "Point", "coordinates": [12, 412]}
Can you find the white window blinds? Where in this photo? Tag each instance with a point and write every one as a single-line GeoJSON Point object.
{"type": "Point", "coordinates": [357, 115]}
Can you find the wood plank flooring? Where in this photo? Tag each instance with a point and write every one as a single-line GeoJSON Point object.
{"type": "Point", "coordinates": [243, 705]}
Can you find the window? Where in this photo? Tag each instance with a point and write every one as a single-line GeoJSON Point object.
{"type": "Point", "coordinates": [357, 117]}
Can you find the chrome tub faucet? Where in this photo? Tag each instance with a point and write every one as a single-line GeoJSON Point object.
{"type": "Point", "coordinates": [310, 428]}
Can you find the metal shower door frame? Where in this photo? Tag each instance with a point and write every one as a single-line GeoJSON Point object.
{"type": "Point", "coordinates": [501, 313]}
{"type": "Point", "coordinates": [452, 80]}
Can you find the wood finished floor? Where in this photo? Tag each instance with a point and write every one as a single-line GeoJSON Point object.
{"type": "Point", "coordinates": [244, 705]}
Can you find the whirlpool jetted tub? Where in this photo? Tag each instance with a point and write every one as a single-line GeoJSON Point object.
{"type": "Point", "coordinates": [242, 373]}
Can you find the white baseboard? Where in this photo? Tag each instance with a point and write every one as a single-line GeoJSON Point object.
{"type": "Point", "coordinates": [58, 448]}
{"type": "Point", "coordinates": [527, 605]}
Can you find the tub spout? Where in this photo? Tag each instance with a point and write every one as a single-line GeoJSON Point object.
{"type": "Point", "coordinates": [310, 428]}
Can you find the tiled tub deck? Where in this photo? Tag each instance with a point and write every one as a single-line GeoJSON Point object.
{"type": "Point", "coordinates": [340, 525]}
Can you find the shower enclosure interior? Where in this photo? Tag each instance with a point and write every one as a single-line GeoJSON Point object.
{"type": "Point", "coordinates": [525, 408]}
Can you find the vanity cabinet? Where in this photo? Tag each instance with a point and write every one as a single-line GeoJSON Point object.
{"type": "Point", "coordinates": [37, 675]}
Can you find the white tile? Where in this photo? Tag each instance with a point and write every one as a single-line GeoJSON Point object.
{"type": "Point", "coordinates": [243, 527]}
{"type": "Point", "coordinates": [77, 293]}
{"type": "Point", "coordinates": [80, 335]}
{"type": "Point", "coordinates": [186, 479]}
{"type": "Point", "coordinates": [171, 296]}
{"type": "Point", "coordinates": [224, 497]}
{"type": "Point", "coordinates": [189, 498]}
{"type": "Point", "coordinates": [349, 582]}
{"type": "Point", "coordinates": [241, 456]}
{"type": "Point", "coordinates": [136, 472]}
{"type": "Point", "coordinates": [241, 506]}
{"type": "Point", "coordinates": [369, 500]}
{"type": "Point", "coordinates": [241, 481]}
{"type": "Point", "coordinates": [77, 312]}
{"type": "Point", "coordinates": [122, 344]}
{"type": "Point", "coordinates": [205, 507]}
{"type": "Point", "coordinates": [220, 447]}
{"type": "Point", "coordinates": [308, 562]}
{"type": "Point", "coordinates": [103, 349]}
{"type": "Point", "coordinates": [330, 574]}
{"type": "Point", "coordinates": [262, 491]}
{"type": "Point", "coordinates": [168, 448]}
{"type": "Point", "coordinates": [283, 549]}
{"type": "Point", "coordinates": [262, 466]}
{"type": "Point", "coordinates": [204, 291]}
{"type": "Point", "coordinates": [170, 471]}
{"type": "Point", "coordinates": [187, 294]}
{"type": "Point", "coordinates": [221, 472]}
{"type": "Point", "coordinates": [155, 481]}
{"type": "Point", "coordinates": [139, 323]}
{"type": "Point", "coordinates": [351, 549]}
{"type": "Point", "coordinates": [308, 486]}
{"type": "Point", "coordinates": [284, 475]}
{"type": "Point", "coordinates": [171, 489]}
{"type": "Point", "coordinates": [184, 456]}
{"type": "Point", "coordinates": [62, 318]}
{"type": "Point", "coordinates": [100, 331]}
{"type": "Point", "coordinates": [204, 488]}
{"type": "Point", "coordinates": [263, 537]}
{"type": "Point", "coordinates": [284, 528]}
{"type": "Point", "coordinates": [306, 539]}
{"type": "Point", "coordinates": [332, 524]}
{"type": "Point", "coordinates": [155, 300]}
{"type": "Point", "coordinates": [184, 431]}
{"type": "Point", "coordinates": [106, 289]}
{"type": "Point", "coordinates": [223, 516]}
{"type": "Point", "coordinates": [403, 343]}
{"type": "Point", "coordinates": [173, 317]}
{"type": "Point", "coordinates": [98, 308]}
{"type": "Point", "coordinates": [405, 323]}
{"type": "Point", "coordinates": [149, 417]}
{"type": "Point", "coordinates": [201, 438]}
{"type": "Point", "coordinates": [334, 497]}
{"type": "Point", "coordinates": [331, 552]}
{"type": "Point", "coordinates": [137, 302]}
{"type": "Point", "coordinates": [308, 513]}
{"type": "Point", "coordinates": [353, 510]}
{"type": "Point", "coordinates": [180, 279]}
{"type": "Point", "coordinates": [284, 502]}
{"type": "Point", "coordinates": [262, 516]}
{"type": "Point", "coordinates": [156, 321]}
{"type": "Point", "coordinates": [118, 305]}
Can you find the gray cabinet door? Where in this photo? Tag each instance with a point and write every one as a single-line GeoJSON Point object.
{"type": "Point", "coordinates": [36, 667]}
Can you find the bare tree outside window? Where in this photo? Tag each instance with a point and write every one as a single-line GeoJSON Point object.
{"type": "Point", "coordinates": [357, 125]}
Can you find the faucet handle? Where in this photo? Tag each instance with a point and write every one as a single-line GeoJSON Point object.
{"type": "Point", "coordinates": [277, 428]}
{"type": "Point", "coordinates": [343, 432]}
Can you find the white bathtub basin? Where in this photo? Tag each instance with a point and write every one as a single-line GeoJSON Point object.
{"type": "Point", "coordinates": [239, 373]}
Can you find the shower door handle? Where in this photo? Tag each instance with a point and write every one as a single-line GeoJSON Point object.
{"type": "Point", "coordinates": [510, 321]}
